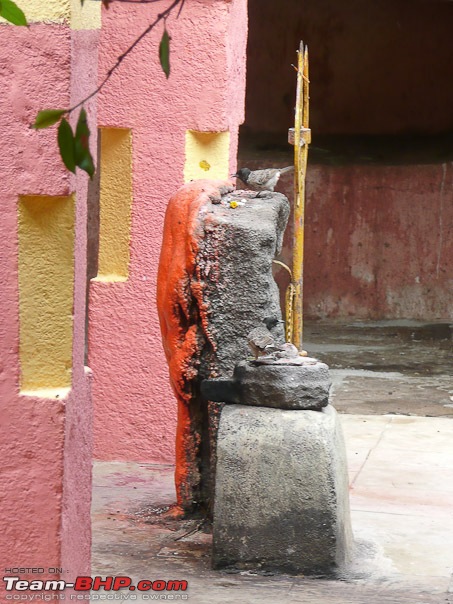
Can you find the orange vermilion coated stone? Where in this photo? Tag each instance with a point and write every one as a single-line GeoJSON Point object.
{"type": "Point", "coordinates": [183, 320]}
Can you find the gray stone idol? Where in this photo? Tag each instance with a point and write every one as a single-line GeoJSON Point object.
{"type": "Point", "coordinates": [215, 285]}
{"type": "Point", "coordinates": [279, 495]}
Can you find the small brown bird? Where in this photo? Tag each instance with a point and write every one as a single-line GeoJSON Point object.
{"type": "Point", "coordinates": [261, 180]}
{"type": "Point", "coordinates": [283, 351]}
{"type": "Point", "coordinates": [260, 337]}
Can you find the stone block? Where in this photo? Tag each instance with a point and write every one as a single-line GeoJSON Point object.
{"type": "Point", "coordinates": [281, 499]}
{"type": "Point", "coordinates": [281, 386]}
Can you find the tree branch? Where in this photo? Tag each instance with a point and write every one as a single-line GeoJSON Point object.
{"type": "Point", "coordinates": [160, 17]}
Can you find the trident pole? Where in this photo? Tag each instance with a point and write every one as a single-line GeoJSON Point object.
{"type": "Point", "coordinates": [300, 137]}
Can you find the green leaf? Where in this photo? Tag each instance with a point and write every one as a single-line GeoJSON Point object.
{"type": "Point", "coordinates": [87, 164]}
{"type": "Point", "coordinates": [47, 117]}
{"type": "Point", "coordinates": [164, 53]}
{"type": "Point", "coordinates": [83, 158]}
{"type": "Point", "coordinates": [66, 145]}
{"type": "Point", "coordinates": [12, 13]}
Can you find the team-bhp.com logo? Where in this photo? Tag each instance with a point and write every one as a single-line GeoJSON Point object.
{"type": "Point", "coordinates": [117, 588]}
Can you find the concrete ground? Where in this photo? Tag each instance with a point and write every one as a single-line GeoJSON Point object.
{"type": "Point", "coordinates": [398, 367]}
{"type": "Point", "coordinates": [393, 386]}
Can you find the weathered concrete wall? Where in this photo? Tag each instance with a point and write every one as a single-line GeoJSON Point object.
{"type": "Point", "coordinates": [135, 414]}
{"type": "Point", "coordinates": [378, 241]}
{"type": "Point", "coordinates": [45, 439]}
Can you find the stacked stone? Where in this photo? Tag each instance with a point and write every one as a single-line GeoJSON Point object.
{"type": "Point", "coordinates": [281, 483]}
{"type": "Point", "coordinates": [280, 488]}
{"type": "Point", "coordinates": [281, 500]}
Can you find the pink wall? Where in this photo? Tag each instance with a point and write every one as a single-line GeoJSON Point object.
{"type": "Point", "coordinates": [32, 434]}
{"type": "Point", "coordinates": [135, 411]}
{"type": "Point", "coordinates": [45, 486]}
{"type": "Point", "coordinates": [76, 510]}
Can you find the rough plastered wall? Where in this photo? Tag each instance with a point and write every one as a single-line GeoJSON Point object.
{"type": "Point", "coordinates": [379, 212]}
{"type": "Point", "coordinates": [378, 241]}
{"type": "Point", "coordinates": [135, 411]}
{"type": "Point", "coordinates": [45, 401]}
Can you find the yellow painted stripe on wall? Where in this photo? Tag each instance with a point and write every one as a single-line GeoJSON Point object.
{"type": "Point", "coordinates": [206, 155]}
{"type": "Point", "coordinates": [46, 283]}
{"type": "Point", "coordinates": [115, 204]}
{"type": "Point", "coordinates": [86, 17]}
{"type": "Point", "coordinates": [50, 11]}
{"type": "Point", "coordinates": [63, 11]}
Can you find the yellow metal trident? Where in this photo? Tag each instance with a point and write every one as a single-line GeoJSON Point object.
{"type": "Point", "coordinates": [300, 137]}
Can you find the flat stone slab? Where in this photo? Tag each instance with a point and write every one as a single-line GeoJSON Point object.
{"type": "Point", "coordinates": [302, 386]}
{"type": "Point", "coordinates": [281, 499]}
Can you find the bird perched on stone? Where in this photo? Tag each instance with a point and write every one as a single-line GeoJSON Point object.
{"type": "Point", "coordinates": [261, 180]}
{"type": "Point", "coordinates": [260, 337]}
{"type": "Point", "coordinates": [282, 351]}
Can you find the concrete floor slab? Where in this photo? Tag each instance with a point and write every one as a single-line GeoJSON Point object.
{"type": "Point", "coordinates": [398, 501]}
{"type": "Point", "coordinates": [388, 377]}
{"type": "Point", "coordinates": [418, 547]}
{"type": "Point", "coordinates": [419, 434]}
{"type": "Point", "coordinates": [400, 367]}
{"type": "Point", "coordinates": [401, 515]}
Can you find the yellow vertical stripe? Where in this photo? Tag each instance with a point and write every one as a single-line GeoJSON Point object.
{"type": "Point", "coordinates": [115, 204]}
{"type": "Point", "coordinates": [51, 11]}
{"type": "Point", "coordinates": [87, 16]}
{"type": "Point", "coordinates": [46, 284]}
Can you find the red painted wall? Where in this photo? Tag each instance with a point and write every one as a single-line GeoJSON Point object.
{"type": "Point", "coordinates": [378, 240]}
{"type": "Point", "coordinates": [379, 213]}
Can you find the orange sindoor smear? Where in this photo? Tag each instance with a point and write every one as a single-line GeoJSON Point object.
{"type": "Point", "coordinates": [183, 320]}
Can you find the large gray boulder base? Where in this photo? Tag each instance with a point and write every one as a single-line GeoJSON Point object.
{"type": "Point", "coordinates": [281, 501]}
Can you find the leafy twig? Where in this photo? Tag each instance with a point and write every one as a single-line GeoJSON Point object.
{"type": "Point", "coordinates": [12, 13]}
{"type": "Point", "coordinates": [120, 59]}
{"type": "Point", "coordinates": [74, 147]}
